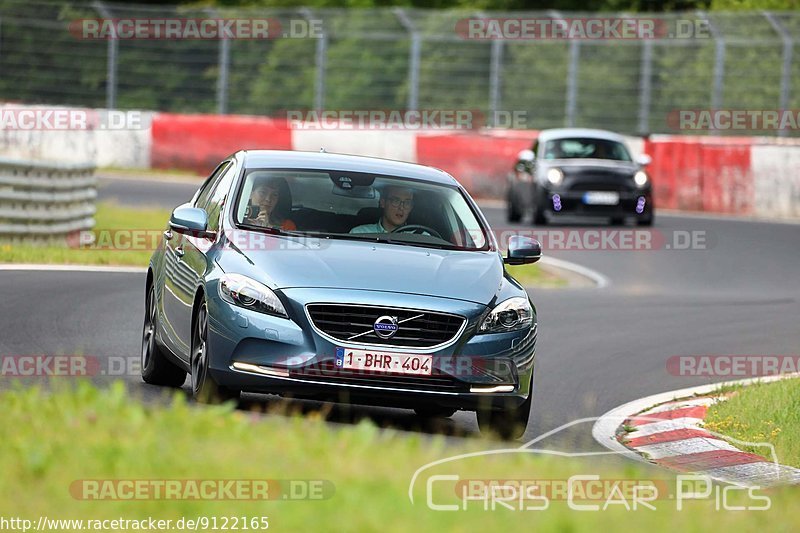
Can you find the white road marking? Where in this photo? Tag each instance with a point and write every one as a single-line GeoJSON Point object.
{"type": "Point", "coordinates": [694, 402]}
{"type": "Point", "coordinates": [645, 430]}
{"type": "Point", "coordinates": [766, 474]}
{"type": "Point", "coordinates": [684, 447]}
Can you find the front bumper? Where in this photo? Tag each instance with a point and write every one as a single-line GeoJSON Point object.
{"type": "Point", "coordinates": [290, 358]}
{"type": "Point", "coordinates": [573, 203]}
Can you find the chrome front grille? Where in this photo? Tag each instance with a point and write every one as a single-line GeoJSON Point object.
{"type": "Point", "coordinates": [353, 324]}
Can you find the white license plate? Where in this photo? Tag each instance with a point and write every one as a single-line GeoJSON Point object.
{"type": "Point", "coordinates": [601, 198]}
{"type": "Point", "coordinates": [384, 362]}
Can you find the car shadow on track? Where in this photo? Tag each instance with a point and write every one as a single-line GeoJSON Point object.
{"type": "Point", "coordinates": [351, 414]}
{"type": "Point", "coordinates": [337, 413]}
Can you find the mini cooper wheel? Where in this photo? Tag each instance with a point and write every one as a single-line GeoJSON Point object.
{"type": "Point", "coordinates": [156, 368]}
{"type": "Point", "coordinates": [538, 218]}
{"type": "Point", "coordinates": [646, 221]}
{"type": "Point", "coordinates": [513, 214]}
{"type": "Point", "coordinates": [204, 388]}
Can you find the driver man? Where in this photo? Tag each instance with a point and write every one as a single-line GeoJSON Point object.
{"type": "Point", "coordinates": [396, 204]}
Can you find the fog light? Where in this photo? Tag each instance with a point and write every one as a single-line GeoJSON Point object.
{"type": "Point", "coordinates": [556, 202]}
{"type": "Point", "coordinates": [493, 388]}
{"type": "Point", "coordinates": [257, 369]}
{"type": "Point", "coordinates": [640, 205]}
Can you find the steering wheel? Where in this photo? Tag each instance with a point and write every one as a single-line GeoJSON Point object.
{"type": "Point", "coordinates": [416, 229]}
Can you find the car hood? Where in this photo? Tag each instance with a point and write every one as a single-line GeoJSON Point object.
{"type": "Point", "coordinates": [288, 262]}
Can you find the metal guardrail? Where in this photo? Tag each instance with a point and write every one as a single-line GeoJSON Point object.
{"type": "Point", "coordinates": [407, 59]}
{"type": "Point", "coordinates": [45, 201]}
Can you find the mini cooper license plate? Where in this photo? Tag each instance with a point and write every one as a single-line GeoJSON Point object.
{"type": "Point", "coordinates": [384, 362]}
{"type": "Point", "coordinates": [601, 198]}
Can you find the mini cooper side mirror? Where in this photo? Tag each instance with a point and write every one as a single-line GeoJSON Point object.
{"type": "Point", "coordinates": [644, 160]}
{"type": "Point", "coordinates": [190, 221]}
{"type": "Point", "coordinates": [522, 250]}
{"type": "Point", "coordinates": [526, 156]}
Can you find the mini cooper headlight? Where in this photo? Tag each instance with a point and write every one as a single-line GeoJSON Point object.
{"type": "Point", "coordinates": [510, 315]}
{"type": "Point", "coordinates": [555, 176]}
{"type": "Point", "coordinates": [250, 294]}
{"type": "Point", "coordinates": [641, 178]}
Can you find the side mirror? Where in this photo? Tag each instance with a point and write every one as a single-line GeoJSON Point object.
{"type": "Point", "coordinates": [526, 156]}
{"type": "Point", "coordinates": [644, 160]}
{"type": "Point", "coordinates": [522, 250]}
{"type": "Point", "coordinates": [190, 221]}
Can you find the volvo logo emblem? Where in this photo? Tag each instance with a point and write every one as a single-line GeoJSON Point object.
{"type": "Point", "coordinates": [385, 327]}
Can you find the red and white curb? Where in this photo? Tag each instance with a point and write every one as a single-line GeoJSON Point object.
{"type": "Point", "coordinates": [669, 432]}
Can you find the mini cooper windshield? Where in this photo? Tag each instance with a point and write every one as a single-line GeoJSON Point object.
{"type": "Point", "coordinates": [585, 148]}
{"type": "Point", "coordinates": [358, 206]}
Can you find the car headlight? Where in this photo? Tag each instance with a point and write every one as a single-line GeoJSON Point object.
{"type": "Point", "coordinates": [512, 314]}
{"type": "Point", "coordinates": [555, 176]}
{"type": "Point", "coordinates": [641, 178]}
{"type": "Point", "coordinates": [250, 294]}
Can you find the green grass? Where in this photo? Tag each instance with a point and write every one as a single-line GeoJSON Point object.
{"type": "Point", "coordinates": [534, 276]}
{"type": "Point", "coordinates": [764, 412]}
{"type": "Point", "coordinates": [145, 222]}
{"type": "Point", "coordinates": [52, 439]}
{"type": "Point", "coordinates": [147, 173]}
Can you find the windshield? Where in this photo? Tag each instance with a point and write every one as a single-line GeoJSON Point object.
{"type": "Point", "coordinates": [358, 206]}
{"type": "Point", "coordinates": [586, 148]}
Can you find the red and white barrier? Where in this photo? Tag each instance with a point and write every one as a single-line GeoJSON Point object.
{"type": "Point", "coordinates": [729, 175]}
{"type": "Point", "coordinates": [200, 142]}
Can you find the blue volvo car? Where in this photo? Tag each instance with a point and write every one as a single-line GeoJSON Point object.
{"type": "Point", "coordinates": [341, 278]}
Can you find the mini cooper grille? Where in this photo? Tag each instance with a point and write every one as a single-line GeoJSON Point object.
{"type": "Point", "coordinates": [353, 324]}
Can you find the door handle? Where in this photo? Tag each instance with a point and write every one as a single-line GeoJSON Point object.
{"type": "Point", "coordinates": [168, 234]}
{"type": "Point", "coordinates": [179, 251]}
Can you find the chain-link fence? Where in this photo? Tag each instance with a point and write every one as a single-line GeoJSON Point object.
{"type": "Point", "coordinates": [401, 59]}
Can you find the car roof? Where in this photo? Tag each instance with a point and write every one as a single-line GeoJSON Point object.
{"type": "Point", "coordinates": [347, 163]}
{"type": "Point", "coordinates": [560, 133]}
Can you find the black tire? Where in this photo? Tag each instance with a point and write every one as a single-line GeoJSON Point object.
{"type": "Point", "coordinates": [538, 217]}
{"type": "Point", "coordinates": [509, 423]}
{"type": "Point", "coordinates": [434, 412]}
{"type": "Point", "coordinates": [156, 368]}
{"type": "Point", "coordinates": [204, 388]}
{"type": "Point", "coordinates": [648, 221]}
{"type": "Point", "coordinates": [513, 214]}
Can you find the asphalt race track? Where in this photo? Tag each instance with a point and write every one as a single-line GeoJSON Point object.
{"type": "Point", "coordinates": [598, 347]}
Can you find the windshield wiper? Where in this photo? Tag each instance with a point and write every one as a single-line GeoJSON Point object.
{"type": "Point", "coordinates": [377, 237]}
{"type": "Point", "coordinates": [413, 243]}
{"type": "Point", "coordinates": [275, 231]}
